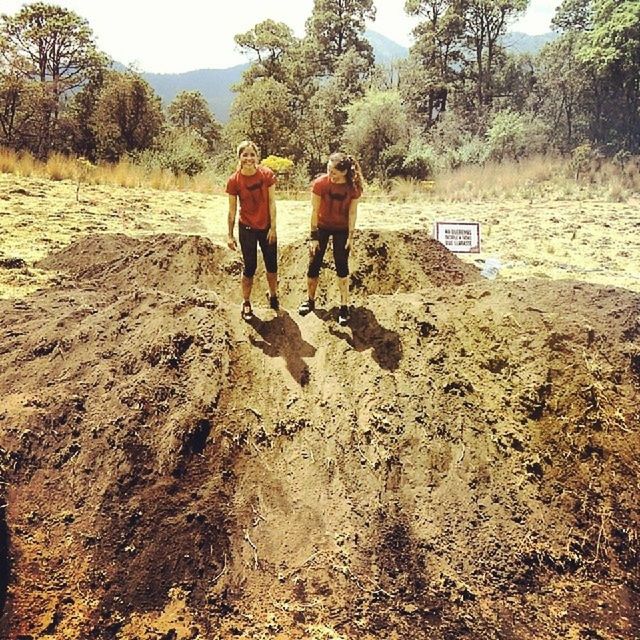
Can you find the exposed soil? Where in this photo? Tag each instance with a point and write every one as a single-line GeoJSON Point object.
{"type": "Point", "coordinates": [460, 462]}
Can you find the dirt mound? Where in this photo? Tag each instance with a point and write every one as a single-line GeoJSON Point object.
{"type": "Point", "coordinates": [170, 263]}
{"type": "Point", "coordinates": [381, 263]}
{"type": "Point", "coordinates": [457, 463]}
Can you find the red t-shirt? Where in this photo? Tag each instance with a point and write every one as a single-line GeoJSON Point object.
{"type": "Point", "coordinates": [335, 200]}
{"type": "Point", "coordinates": [253, 194]}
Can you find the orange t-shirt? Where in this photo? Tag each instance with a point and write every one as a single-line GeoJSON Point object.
{"type": "Point", "coordinates": [335, 200]}
{"type": "Point", "coordinates": [253, 194]}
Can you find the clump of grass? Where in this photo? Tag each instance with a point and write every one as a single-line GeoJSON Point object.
{"type": "Point", "coordinates": [548, 177]}
{"type": "Point", "coordinates": [210, 182]}
{"type": "Point", "coordinates": [7, 161]}
{"type": "Point", "coordinates": [527, 178]}
{"type": "Point", "coordinates": [404, 189]}
{"type": "Point", "coordinates": [631, 174]}
{"type": "Point", "coordinates": [19, 163]}
{"type": "Point", "coordinates": [163, 180]}
{"type": "Point", "coordinates": [28, 166]}
{"type": "Point", "coordinates": [59, 167]}
{"type": "Point", "coordinates": [124, 173]}
{"type": "Point", "coordinates": [617, 192]}
{"type": "Point", "coordinates": [84, 169]}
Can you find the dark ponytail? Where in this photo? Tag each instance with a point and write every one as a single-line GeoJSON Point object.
{"type": "Point", "coordinates": [347, 163]}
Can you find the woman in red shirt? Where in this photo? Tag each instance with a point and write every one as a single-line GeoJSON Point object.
{"type": "Point", "coordinates": [334, 208]}
{"type": "Point", "coordinates": [254, 187]}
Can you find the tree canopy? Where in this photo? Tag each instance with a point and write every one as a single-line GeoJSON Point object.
{"type": "Point", "coordinates": [459, 97]}
{"type": "Point", "coordinates": [50, 44]}
{"type": "Point", "coordinates": [190, 111]}
{"type": "Point", "coordinates": [53, 46]}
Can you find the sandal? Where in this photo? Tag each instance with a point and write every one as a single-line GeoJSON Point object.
{"type": "Point", "coordinates": [274, 303]}
{"type": "Point", "coordinates": [306, 307]}
{"type": "Point", "coordinates": [246, 312]}
{"type": "Point", "coordinates": [343, 315]}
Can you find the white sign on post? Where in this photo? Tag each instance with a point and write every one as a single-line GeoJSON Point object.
{"type": "Point", "coordinates": [459, 237]}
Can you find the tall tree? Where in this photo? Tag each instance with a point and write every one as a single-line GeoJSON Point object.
{"type": "Point", "coordinates": [22, 105]}
{"type": "Point", "coordinates": [434, 59]}
{"type": "Point", "coordinates": [485, 23]}
{"type": "Point", "coordinates": [54, 46]}
{"type": "Point", "coordinates": [270, 41]}
{"type": "Point", "coordinates": [128, 115]}
{"type": "Point", "coordinates": [612, 48]}
{"type": "Point", "coordinates": [516, 80]}
{"type": "Point", "coordinates": [80, 116]}
{"type": "Point", "coordinates": [573, 15]}
{"type": "Point", "coordinates": [337, 26]}
{"type": "Point", "coordinates": [567, 91]}
{"type": "Point", "coordinates": [261, 113]}
{"type": "Point", "coordinates": [190, 111]}
{"type": "Point", "coordinates": [605, 40]}
{"type": "Point", "coordinates": [325, 116]}
{"type": "Point", "coordinates": [377, 126]}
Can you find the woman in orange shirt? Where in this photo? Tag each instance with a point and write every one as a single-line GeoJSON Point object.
{"type": "Point", "coordinates": [334, 209]}
{"type": "Point", "coordinates": [253, 186]}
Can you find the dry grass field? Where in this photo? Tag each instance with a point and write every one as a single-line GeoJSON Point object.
{"type": "Point", "coordinates": [551, 230]}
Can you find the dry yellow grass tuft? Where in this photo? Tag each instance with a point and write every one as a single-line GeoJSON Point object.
{"type": "Point", "coordinates": [532, 177]}
{"type": "Point", "coordinates": [548, 177]}
{"type": "Point", "coordinates": [59, 167]}
{"type": "Point", "coordinates": [123, 173]}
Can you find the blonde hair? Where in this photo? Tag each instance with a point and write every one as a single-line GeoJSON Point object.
{"type": "Point", "coordinates": [242, 146]}
{"type": "Point", "coordinates": [247, 143]}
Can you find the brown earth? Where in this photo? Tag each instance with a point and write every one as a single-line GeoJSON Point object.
{"type": "Point", "coordinates": [461, 462]}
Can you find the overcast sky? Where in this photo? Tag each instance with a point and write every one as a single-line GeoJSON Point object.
{"type": "Point", "coordinates": [172, 37]}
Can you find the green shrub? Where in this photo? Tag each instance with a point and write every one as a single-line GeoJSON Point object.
{"type": "Point", "coordinates": [391, 160]}
{"type": "Point", "coordinates": [454, 145]}
{"type": "Point", "coordinates": [583, 159]}
{"type": "Point", "coordinates": [421, 161]}
{"type": "Point", "coordinates": [505, 136]}
{"type": "Point", "coordinates": [181, 151]}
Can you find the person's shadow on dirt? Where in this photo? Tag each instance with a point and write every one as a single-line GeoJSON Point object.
{"type": "Point", "coordinates": [365, 332]}
{"type": "Point", "coordinates": [281, 337]}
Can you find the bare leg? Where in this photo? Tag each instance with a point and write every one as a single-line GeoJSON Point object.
{"type": "Point", "coordinates": [343, 286]}
{"type": "Point", "coordinates": [247, 284]}
{"type": "Point", "coordinates": [272, 281]}
{"type": "Point", "coordinates": [312, 285]}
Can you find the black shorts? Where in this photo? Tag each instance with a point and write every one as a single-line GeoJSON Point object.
{"type": "Point", "coordinates": [249, 241]}
{"type": "Point", "coordinates": [340, 252]}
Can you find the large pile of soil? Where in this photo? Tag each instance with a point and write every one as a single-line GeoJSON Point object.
{"type": "Point", "coordinates": [460, 462]}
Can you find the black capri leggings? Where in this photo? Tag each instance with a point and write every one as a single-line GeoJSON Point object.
{"type": "Point", "coordinates": [340, 252]}
{"type": "Point", "coordinates": [249, 241]}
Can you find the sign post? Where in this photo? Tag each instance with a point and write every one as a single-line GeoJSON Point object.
{"type": "Point", "coordinates": [458, 237]}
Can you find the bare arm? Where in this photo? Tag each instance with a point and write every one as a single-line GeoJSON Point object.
{"type": "Point", "coordinates": [313, 237]}
{"type": "Point", "coordinates": [353, 215]}
{"type": "Point", "coordinates": [271, 236]}
{"type": "Point", "coordinates": [315, 208]}
{"type": "Point", "coordinates": [233, 207]}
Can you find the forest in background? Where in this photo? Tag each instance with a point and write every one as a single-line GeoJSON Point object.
{"type": "Point", "coordinates": [458, 99]}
